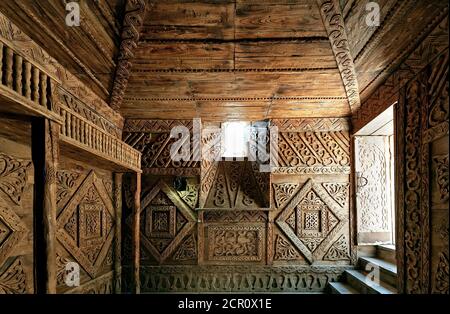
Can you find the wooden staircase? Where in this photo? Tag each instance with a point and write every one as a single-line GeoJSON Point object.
{"type": "Point", "coordinates": [356, 281]}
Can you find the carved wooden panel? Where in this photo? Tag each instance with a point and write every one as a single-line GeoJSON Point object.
{"type": "Point", "coordinates": [167, 221]}
{"type": "Point", "coordinates": [423, 181]}
{"type": "Point", "coordinates": [16, 210]}
{"type": "Point", "coordinates": [373, 201]}
{"type": "Point", "coordinates": [238, 185]}
{"type": "Point", "coordinates": [313, 146]}
{"type": "Point", "coordinates": [85, 226]}
{"type": "Point", "coordinates": [239, 278]}
{"type": "Point", "coordinates": [313, 220]}
{"type": "Point", "coordinates": [152, 139]}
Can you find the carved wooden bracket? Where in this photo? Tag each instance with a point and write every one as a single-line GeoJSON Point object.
{"type": "Point", "coordinates": [134, 17]}
{"type": "Point", "coordinates": [334, 25]}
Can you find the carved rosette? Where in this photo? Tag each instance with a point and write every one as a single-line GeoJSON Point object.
{"type": "Point", "coordinates": [311, 220]}
{"type": "Point", "coordinates": [166, 219]}
{"type": "Point", "coordinates": [86, 224]}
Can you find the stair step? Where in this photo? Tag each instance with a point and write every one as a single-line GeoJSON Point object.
{"type": "Point", "coordinates": [360, 282]}
{"type": "Point", "coordinates": [342, 288]}
{"type": "Point", "coordinates": [388, 270]}
{"type": "Point", "coordinates": [386, 252]}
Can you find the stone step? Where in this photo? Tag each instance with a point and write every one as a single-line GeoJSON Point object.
{"type": "Point", "coordinates": [342, 288]}
{"type": "Point", "coordinates": [386, 252]}
{"type": "Point", "coordinates": [359, 280]}
{"type": "Point", "coordinates": [388, 270]}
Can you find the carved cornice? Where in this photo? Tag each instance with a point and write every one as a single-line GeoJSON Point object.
{"type": "Point", "coordinates": [130, 36]}
{"type": "Point", "coordinates": [312, 124]}
{"type": "Point", "coordinates": [154, 126]}
{"type": "Point", "coordinates": [236, 40]}
{"type": "Point", "coordinates": [222, 70]}
{"type": "Point", "coordinates": [334, 25]}
{"type": "Point", "coordinates": [235, 98]}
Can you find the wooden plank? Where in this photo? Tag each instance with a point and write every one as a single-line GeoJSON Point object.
{"type": "Point", "coordinates": [279, 54]}
{"type": "Point", "coordinates": [183, 55]}
{"type": "Point", "coordinates": [269, 19]}
{"type": "Point", "coordinates": [189, 20]}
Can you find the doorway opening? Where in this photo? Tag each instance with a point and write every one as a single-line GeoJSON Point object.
{"type": "Point", "coordinates": [375, 187]}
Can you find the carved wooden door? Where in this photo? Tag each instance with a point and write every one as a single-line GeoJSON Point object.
{"type": "Point", "coordinates": [373, 189]}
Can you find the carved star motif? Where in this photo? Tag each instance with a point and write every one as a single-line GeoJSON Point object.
{"type": "Point", "coordinates": [177, 219]}
{"type": "Point", "coordinates": [319, 218]}
{"type": "Point", "coordinates": [85, 225]}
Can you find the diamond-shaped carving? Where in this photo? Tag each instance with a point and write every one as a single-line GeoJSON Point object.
{"type": "Point", "coordinates": [85, 225]}
{"type": "Point", "coordinates": [12, 230]}
{"type": "Point", "coordinates": [165, 220]}
{"type": "Point", "coordinates": [311, 219]}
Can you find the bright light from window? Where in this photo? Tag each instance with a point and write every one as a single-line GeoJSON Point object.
{"type": "Point", "coordinates": [236, 136]}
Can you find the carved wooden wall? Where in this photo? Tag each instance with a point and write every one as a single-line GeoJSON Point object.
{"type": "Point", "coordinates": [422, 181]}
{"type": "Point", "coordinates": [311, 192]}
{"type": "Point", "coordinates": [86, 221]}
{"type": "Point", "coordinates": [237, 229]}
{"type": "Point", "coordinates": [16, 207]}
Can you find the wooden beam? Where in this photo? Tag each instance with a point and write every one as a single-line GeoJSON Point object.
{"type": "Point", "coordinates": [45, 157]}
{"type": "Point", "coordinates": [118, 232]}
{"type": "Point", "coordinates": [136, 234]}
{"type": "Point", "coordinates": [335, 27]}
{"type": "Point", "coordinates": [134, 17]}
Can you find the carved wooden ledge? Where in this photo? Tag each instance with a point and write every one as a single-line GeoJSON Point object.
{"type": "Point", "coordinates": [25, 88]}
{"type": "Point", "coordinates": [91, 141]}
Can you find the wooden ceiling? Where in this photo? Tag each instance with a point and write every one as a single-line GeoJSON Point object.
{"type": "Point", "coordinates": [229, 59]}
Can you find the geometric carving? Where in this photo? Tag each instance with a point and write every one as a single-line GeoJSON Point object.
{"type": "Point", "coordinates": [284, 250]}
{"type": "Point", "coordinates": [235, 186]}
{"type": "Point", "coordinates": [228, 216]}
{"type": "Point", "coordinates": [13, 176]}
{"type": "Point", "coordinates": [314, 152]}
{"type": "Point", "coordinates": [311, 219]}
{"type": "Point", "coordinates": [283, 192]}
{"type": "Point", "coordinates": [338, 191]}
{"type": "Point", "coordinates": [12, 231]}
{"type": "Point", "coordinates": [311, 124]}
{"type": "Point", "coordinates": [13, 279]}
{"type": "Point", "coordinates": [338, 250]}
{"type": "Point", "coordinates": [241, 243]}
{"type": "Point", "coordinates": [442, 176]}
{"type": "Point", "coordinates": [85, 225]}
{"type": "Point", "coordinates": [187, 250]}
{"type": "Point", "coordinates": [292, 278]}
{"type": "Point", "coordinates": [165, 221]}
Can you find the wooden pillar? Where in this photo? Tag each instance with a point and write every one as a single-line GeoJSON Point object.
{"type": "Point", "coordinates": [45, 157]}
{"type": "Point", "coordinates": [117, 232]}
{"type": "Point", "coordinates": [136, 233]}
